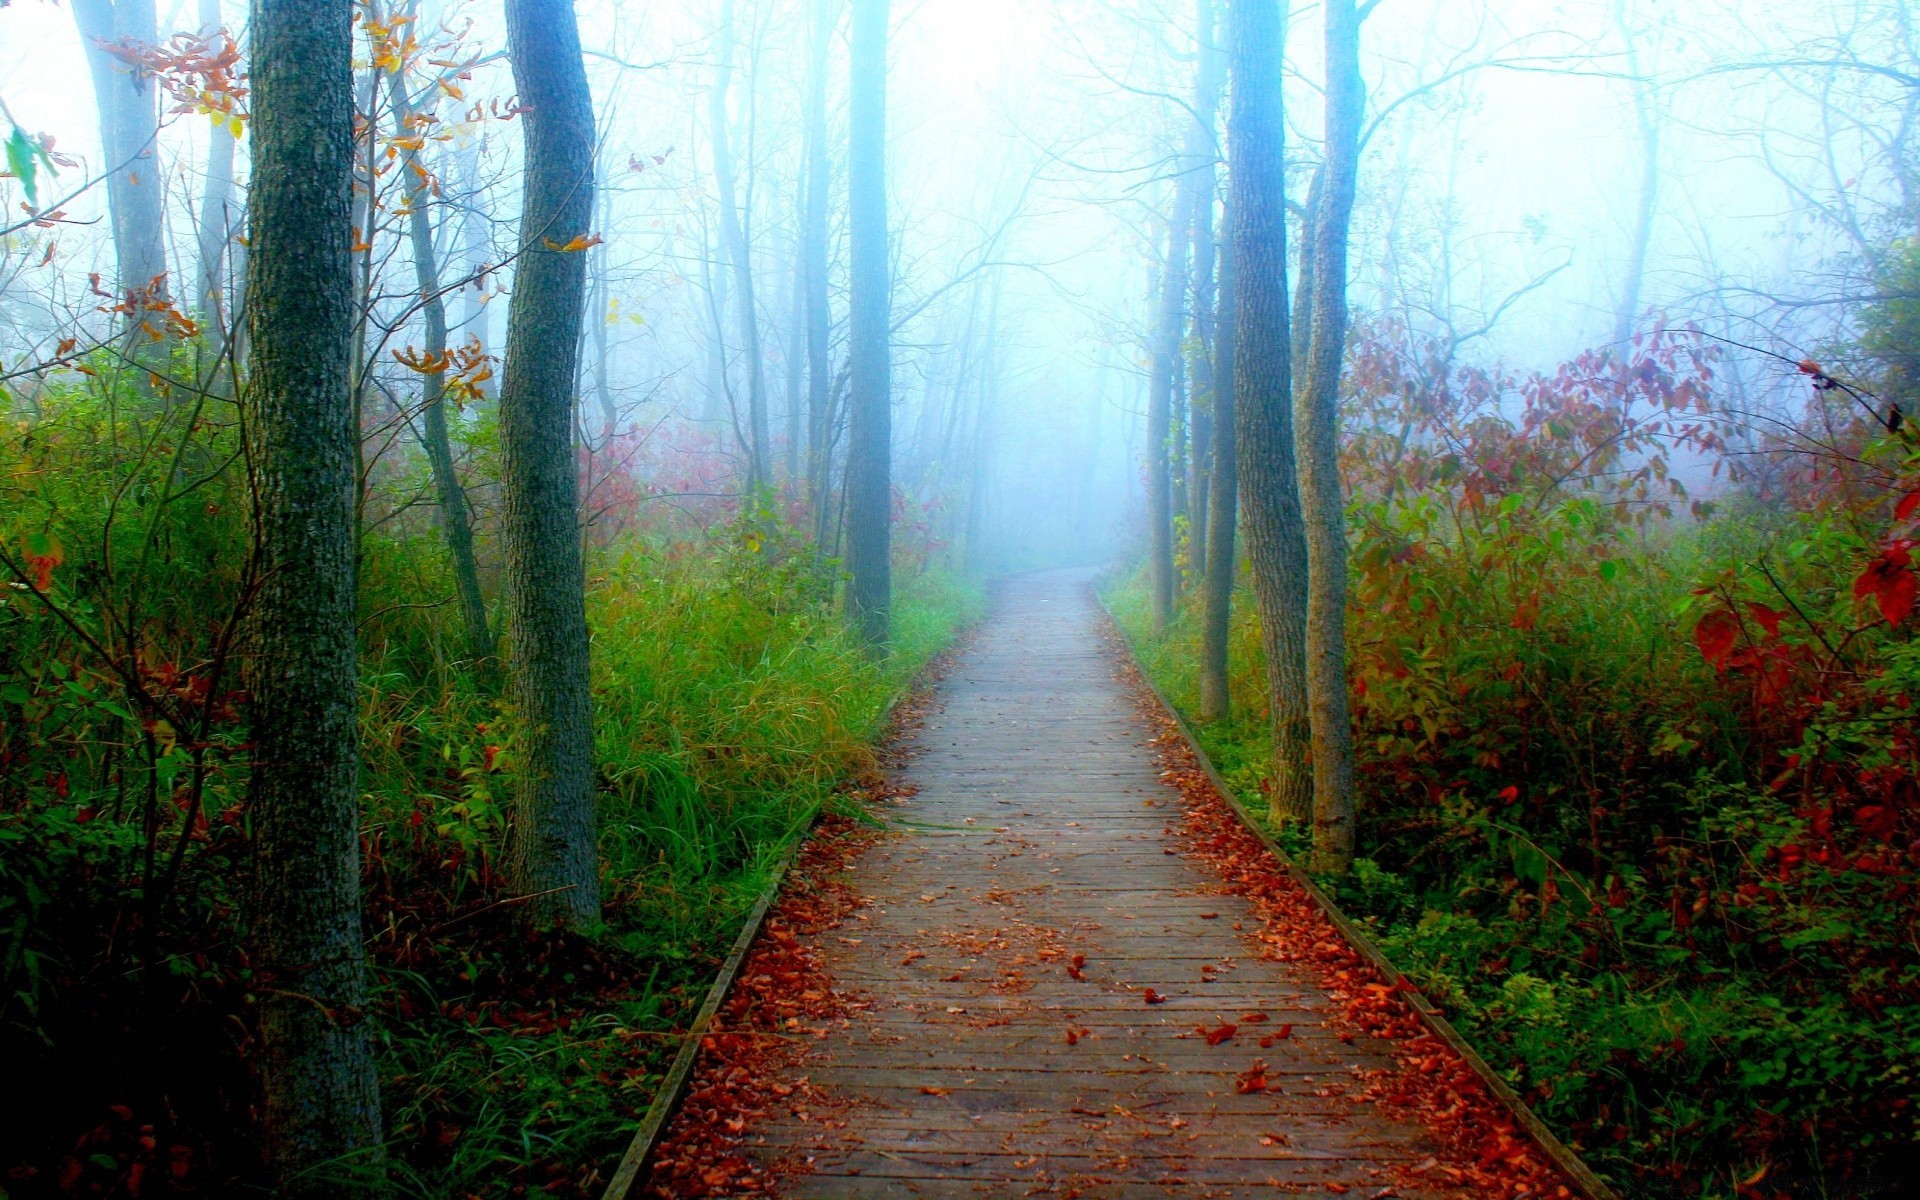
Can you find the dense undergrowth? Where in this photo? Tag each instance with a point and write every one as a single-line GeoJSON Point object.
{"type": "Point", "coordinates": [1636, 786]}
{"type": "Point", "coordinates": [730, 704]}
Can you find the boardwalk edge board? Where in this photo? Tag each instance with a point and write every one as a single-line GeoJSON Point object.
{"type": "Point", "coordinates": [1562, 1156]}
{"type": "Point", "coordinates": [667, 1100]}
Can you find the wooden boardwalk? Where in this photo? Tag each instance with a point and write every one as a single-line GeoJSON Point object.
{"type": "Point", "coordinates": [985, 1063]}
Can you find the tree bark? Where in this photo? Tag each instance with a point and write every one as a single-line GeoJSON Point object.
{"type": "Point", "coordinates": [740, 254]}
{"type": "Point", "coordinates": [1263, 384]}
{"type": "Point", "coordinates": [322, 1101]}
{"type": "Point", "coordinates": [129, 129]}
{"type": "Point", "coordinates": [1317, 433]}
{"type": "Point", "coordinates": [869, 316]}
{"type": "Point", "coordinates": [814, 264]}
{"type": "Point", "coordinates": [452, 498]}
{"type": "Point", "coordinates": [1223, 497]}
{"type": "Point", "coordinates": [554, 855]}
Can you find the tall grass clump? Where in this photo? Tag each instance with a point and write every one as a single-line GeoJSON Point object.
{"type": "Point", "coordinates": [730, 704]}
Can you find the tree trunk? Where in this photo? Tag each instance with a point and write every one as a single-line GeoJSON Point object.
{"type": "Point", "coordinates": [869, 317]}
{"type": "Point", "coordinates": [129, 132]}
{"type": "Point", "coordinates": [217, 217]}
{"type": "Point", "coordinates": [814, 262]}
{"type": "Point", "coordinates": [1203, 156]}
{"type": "Point", "coordinates": [322, 1098]}
{"type": "Point", "coordinates": [740, 253]}
{"type": "Point", "coordinates": [1317, 433]}
{"type": "Point", "coordinates": [554, 855]}
{"type": "Point", "coordinates": [796, 354]}
{"type": "Point", "coordinates": [452, 498]}
{"type": "Point", "coordinates": [1166, 348]}
{"type": "Point", "coordinates": [1263, 384]}
{"type": "Point", "coordinates": [1646, 113]}
{"type": "Point", "coordinates": [1223, 497]}
{"type": "Point", "coordinates": [599, 304]}
{"type": "Point", "coordinates": [475, 249]}
{"type": "Point", "coordinates": [980, 459]}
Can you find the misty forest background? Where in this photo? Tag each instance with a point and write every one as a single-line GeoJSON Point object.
{"type": "Point", "coordinates": [474, 479]}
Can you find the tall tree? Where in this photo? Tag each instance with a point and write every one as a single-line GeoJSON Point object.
{"type": "Point", "coordinates": [1317, 436]}
{"type": "Point", "coordinates": [554, 857]}
{"type": "Point", "coordinates": [869, 332]}
{"type": "Point", "coordinates": [322, 1099]}
{"type": "Point", "coordinates": [1646, 113]}
{"type": "Point", "coordinates": [1263, 385]}
{"type": "Point", "coordinates": [733, 233]}
{"type": "Point", "coordinates": [454, 521]}
{"type": "Point", "coordinates": [1203, 157]}
{"type": "Point", "coordinates": [475, 249]}
{"type": "Point", "coordinates": [1223, 498]}
{"type": "Point", "coordinates": [813, 256]}
{"type": "Point", "coordinates": [218, 220]}
{"type": "Point", "coordinates": [129, 133]}
{"type": "Point", "coordinates": [1168, 325]}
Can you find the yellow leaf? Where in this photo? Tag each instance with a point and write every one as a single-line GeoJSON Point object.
{"type": "Point", "coordinates": [583, 242]}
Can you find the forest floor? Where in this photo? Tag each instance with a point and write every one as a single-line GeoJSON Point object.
{"type": "Point", "coordinates": [1065, 969]}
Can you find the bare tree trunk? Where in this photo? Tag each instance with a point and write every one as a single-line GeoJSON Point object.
{"type": "Point", "coordinates": [1317, 434]}
{"type": "Point", "coordinates": [1203, 156]}
{"type": "Point", "coordinates": [475, 249]}
{"type": "Point", "coordinates": [1223, 496]}
{"type": "Point", "coordinates": [978, 470]}
{"type": "Point", "coordinates": [322, 1098]}
{"type": "Point", "coordinates": [1644, 107]}
{"type": "Point", "coordinates": [554, 853]}
{"type": "Point", "coordinates": [796, 355]}
{"type": "Point", "coordinates": [740, 252]}
{"type": "Point", "coordinates": [452, 498]}
{"type": "Point", "coordinates": [870, 336]}
{"type": "Point", "coordinates": [217, 218]}
{"type": "Point", "coordinates": [1166, 349]}
{"type": "Point", "coordinates": [1201, 371]}
{"type": "Point", "coordinates": [814, 262]}
{"type": "Point", "coordinates": [129, 131]}
{"type": "Point", "coordinates": [1263, 384]}
{"type": "Point", "coordinates": [597, 315]}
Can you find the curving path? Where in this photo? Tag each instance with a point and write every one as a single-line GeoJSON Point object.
{"type": "Point", "coordinates": [984, 1063]}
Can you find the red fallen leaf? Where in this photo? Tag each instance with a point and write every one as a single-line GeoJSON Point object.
{"type": "Point", "coordinates": [1509, 794]}
{"type": "Point", "coordinates": [1278, 1035]}
{"type": "Point", "coordinates": [935, 1091]}
{"type": "Point", "coordinates": [1715, 635]}
{"type": "Point", "coordinates": [1908, 503]}
{"type": "Point", "coordinates": [1253, 1079]}
{"type": "Point", "coordinates": [1153, 997]}
{"type": "Point", "coordinates": [1073, 970]}
{"type": "Point", "coordinates": [1074, 1035]}
{"type": "Point", "coordinates": [1223, 1034]}
{"type": "Point", "coordinates": [1253, 1018]}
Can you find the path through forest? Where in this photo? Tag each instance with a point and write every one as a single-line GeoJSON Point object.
{"type": "Point", "coordinates": [1014, 949]}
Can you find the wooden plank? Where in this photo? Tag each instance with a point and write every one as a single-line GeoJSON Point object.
{"type": "Point", "coordinates": [1558, 1152]}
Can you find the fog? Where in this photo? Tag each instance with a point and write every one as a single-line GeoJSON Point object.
{"type": "Point", "coordinates": [1033, 149]}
